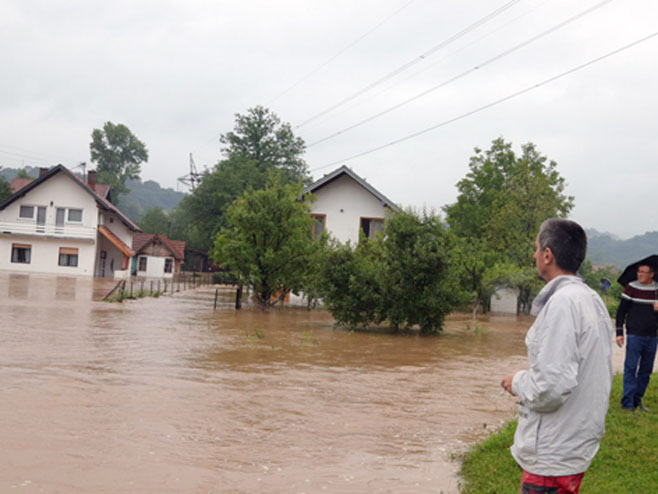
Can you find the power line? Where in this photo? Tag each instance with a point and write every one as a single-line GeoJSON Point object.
{"type": "Point", "coordinates": [343, 50]}
{"type": "Point", "coordinates": [420, 58]}
{"type": "Point", "coordinates": [418, 72]}
{"type": "Point", "coordinates": [463, 74]}
{"type": "Point", "coordinates": [34, 159]}
{"type": "Point", "coordinates": [494, 103]}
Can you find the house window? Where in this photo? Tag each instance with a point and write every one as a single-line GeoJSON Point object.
{"type": "Point", "coordinates": [21, 253]}
{"type": "Point", "coordinates": [319, 221]}
{"type": "Point", "coordinates": [169, 264]}
{"type": "Point", "coordinates": [142, 264]}
{"type": "Point", "coordinates": [371, 226]}
{"type": "Point", "coordinates": [26, 212]}
{"type": "Point", "coordinates": [75, 215]}
{"type": "Point", "coordinates": [68, 256]}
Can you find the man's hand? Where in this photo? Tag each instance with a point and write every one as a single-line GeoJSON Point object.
{"type": "Point", "coordinates": [506, 383]}
{"type": "Point", "coordinates": [620, 341]}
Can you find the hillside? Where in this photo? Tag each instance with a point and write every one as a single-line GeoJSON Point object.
{"type": "Point", "coordinates": [605, 248]}
{"type": "Point", "coordinates": [141, 197]}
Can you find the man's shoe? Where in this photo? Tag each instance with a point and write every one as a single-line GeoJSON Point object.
{"type": "Point", "coordinates": [628, 409]}
{"type": "Point", "coordinates": [643, 408]}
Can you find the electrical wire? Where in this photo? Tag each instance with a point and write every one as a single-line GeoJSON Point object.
{"type": "Point", "coordinates": [465, 73]}
{"type": "Point", "coordinates": [494, 103]}
{"type": "Point", "coordinates": [343, 50]}
{"type": "Point", "coordinates": [420, 58]}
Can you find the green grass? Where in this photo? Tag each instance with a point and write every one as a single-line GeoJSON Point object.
{"type": "Point", "coordinates": [627, 462]}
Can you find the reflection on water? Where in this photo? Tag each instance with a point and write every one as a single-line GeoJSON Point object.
{"type": "Point", "coordinates": [167, 395]}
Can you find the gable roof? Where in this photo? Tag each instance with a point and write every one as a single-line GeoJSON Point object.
{"type": "Point", "coordinates": [143, 240]}
{"type": "Point", "coordinates": [100, 194]}
{"type": "Point", "coordinates": [344, 170]}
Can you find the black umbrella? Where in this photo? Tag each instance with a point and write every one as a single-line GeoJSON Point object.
{"type": "Point", "coordinates": [630, 273]}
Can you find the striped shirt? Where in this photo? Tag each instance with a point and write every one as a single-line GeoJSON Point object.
{"type": "Point", "coordinates": [636, 309]}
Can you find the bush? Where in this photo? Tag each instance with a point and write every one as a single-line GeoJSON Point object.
{"type": "Point", "coordinates": [404, 278]}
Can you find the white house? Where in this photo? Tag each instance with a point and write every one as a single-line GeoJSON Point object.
{"type": "Point", "coordinates": [346, 204]}
{"type": "Point", "coordinates": [59, 224]}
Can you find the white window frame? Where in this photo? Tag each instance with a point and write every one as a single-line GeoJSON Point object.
{"type": "Point", "coordinates": [27, 218]}
{"type": "Point", "coordinates": [68, 215]}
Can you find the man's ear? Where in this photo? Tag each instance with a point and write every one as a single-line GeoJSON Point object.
{"type": "Point", "coordinates": [547, 256]}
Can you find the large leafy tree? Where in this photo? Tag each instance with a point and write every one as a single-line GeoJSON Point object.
{"type": "Point", "coordinates": [258, 144]}
{"type": "Point", "coordinates": [502, 201]}
{"type": "Point", "coordinates": [267, 241]}
{"type": "Point", "coordinates": [261, 137]}
{"type": "Point", "coordinates": [118, 155]}
{"type": "Point", "coordinates": [206, 207]}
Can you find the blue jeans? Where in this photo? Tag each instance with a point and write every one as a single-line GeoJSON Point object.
{"type": "Point", "coordinates": [640, 354]}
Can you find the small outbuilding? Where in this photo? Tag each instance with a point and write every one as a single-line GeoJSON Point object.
{"type": "Point", "coordinates": [156, 256]}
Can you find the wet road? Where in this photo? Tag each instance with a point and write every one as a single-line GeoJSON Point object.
{"type": "Point", "coordinates": [166, 395]}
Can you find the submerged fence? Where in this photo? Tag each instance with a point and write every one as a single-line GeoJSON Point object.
{"type": "Point", "coordinates": [141, 287]}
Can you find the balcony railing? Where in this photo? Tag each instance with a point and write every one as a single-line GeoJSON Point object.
{"type": "Point", "coordinates": [49, 230]}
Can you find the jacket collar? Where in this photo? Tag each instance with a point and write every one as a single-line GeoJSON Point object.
{"type": "Point", "coordinates": [551, 287]}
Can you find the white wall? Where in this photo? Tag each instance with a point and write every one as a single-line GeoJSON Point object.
{"type": "Point", "coordinates": [344, 202]}
{"type": "Point", "coordinates": [45, 255]}
{"type": "Point", "coordinates": [504, 301]}
{"type": "Point", "coordinates": [155, 267]}
{"type": "Point", "coordinates": [57, 192]}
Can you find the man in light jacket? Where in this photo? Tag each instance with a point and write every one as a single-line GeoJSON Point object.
{"type": "Point", "coordinates": [564, 395]}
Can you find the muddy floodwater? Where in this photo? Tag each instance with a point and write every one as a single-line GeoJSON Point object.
{"type": "Point", "coordinates": [167, 395]}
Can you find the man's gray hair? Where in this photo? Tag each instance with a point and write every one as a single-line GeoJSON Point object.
{"type": "Point", "coordinates": [567, 241]}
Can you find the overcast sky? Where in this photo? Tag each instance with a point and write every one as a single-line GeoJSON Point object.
{"type": "Point", "coordinates": [176, 73]}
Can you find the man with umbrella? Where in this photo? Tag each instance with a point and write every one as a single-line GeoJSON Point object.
{"type": "Point", "coordinates": [638, 309]}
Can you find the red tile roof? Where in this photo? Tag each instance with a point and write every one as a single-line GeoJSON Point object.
{"type": "Point", "coordinates": [18, 183]}
{"type": "Point", "coordinates": [142, 240]}
{"type": "Point", "coordinates": [120, 244]}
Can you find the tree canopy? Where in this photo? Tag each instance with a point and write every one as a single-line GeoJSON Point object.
{"type": "Point", "coordinates": [258, 145]}
{"type": "Point", "coordinates": [259, 136]}
{"type": "Point", "coordinates": [118, 155]}
{"type": "Point", "coordinates": [502, 201]}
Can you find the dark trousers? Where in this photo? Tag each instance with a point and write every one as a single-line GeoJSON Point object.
{"type": "Point", "coordinates": [640, 354]}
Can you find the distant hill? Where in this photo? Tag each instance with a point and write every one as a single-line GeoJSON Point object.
{"type": "Point", "coordinates": [605, 248]}
{"type": "Point", "coordinates": [142, 196]}
{"type": "Point", "coordinates": [146, 195]}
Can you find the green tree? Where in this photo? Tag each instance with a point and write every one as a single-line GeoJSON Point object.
{"type": "Point", "coordinates": [267, 241]}
{"type": "Point", "coordinates": [23, 173]}
{"type": "Point", "coordinates": [502, 202]}
{"type": "Point", "coordinates": [155, 220]}
{"type": "Point", "coordinates": [118, 155]}
{"type": "Point", "coordinates": [261, 137]}
{"type": "Point", "coordinates": [205, 208]}
{"type": "Point", "coordinates": [5, 189]}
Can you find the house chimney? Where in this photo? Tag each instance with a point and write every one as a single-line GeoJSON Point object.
{"type": "Point", "coordinates": [43, 171]}
{"type": "Point", "coordinates": [91, 179]}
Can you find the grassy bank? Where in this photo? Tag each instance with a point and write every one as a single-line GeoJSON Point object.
{"type": "Point", "coordinates": [625, 464]}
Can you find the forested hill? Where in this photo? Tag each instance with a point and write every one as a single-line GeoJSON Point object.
{"type": "Point", "coordinates": [605, 248]}
{"type": "Point", "coordinates": [141, 197]}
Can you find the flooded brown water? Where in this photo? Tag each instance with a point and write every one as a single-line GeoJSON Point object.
{"type": "Point", "coordinates": [166, 395]}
